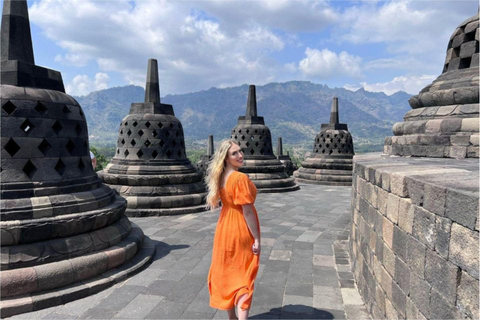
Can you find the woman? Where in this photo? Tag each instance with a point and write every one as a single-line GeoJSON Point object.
{"type": "Point", "coordinates": [236, 246]}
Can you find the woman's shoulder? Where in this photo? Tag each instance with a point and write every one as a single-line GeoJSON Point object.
{"type": "Point", "coordinates": [240, 176]}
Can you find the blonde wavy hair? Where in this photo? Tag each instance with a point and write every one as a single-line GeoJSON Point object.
{"type": "Point", "coordinates": [215, 171]}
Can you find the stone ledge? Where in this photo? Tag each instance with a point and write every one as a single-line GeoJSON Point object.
{"type": "Point", "coordinates": [414, 238]}
{"type": "Point", "coordinates": [34, 302]}
{"type": "Point", "coordinates": [66, 272]}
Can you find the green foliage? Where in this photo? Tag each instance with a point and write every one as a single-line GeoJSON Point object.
{"type": "Point", "coordinates": [103, 156]}
{"type": "Point", "coordinates": [195, 154]}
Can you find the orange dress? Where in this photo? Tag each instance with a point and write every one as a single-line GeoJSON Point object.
{"type": "Point", "coordinates": [234, 266]}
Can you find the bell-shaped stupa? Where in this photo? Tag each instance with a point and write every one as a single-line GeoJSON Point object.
{"type": "Point", "coordinates": [285, 159]}
{"type": "Point", "coordinates": [63, 233]}
{"type": "Point", "coordinates": [331, 162]}
{"type": "Point", "coordinates": [264, 169]}
{"type": "Point", "coordinates": [150, 167]}
{"type": "Point", "coordinates": [202, 164]}
{"type": "Point", "coordinates": [444, 119]}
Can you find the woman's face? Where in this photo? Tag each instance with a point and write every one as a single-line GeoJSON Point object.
{"type": "Point", "coordinates": [234, 156]}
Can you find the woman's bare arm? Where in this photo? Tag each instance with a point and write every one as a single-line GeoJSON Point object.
{"type": "Point", "coordinates": [252, 224]}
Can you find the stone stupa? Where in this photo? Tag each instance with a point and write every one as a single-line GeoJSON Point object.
{"type": "Point", "coordinates": [150, 167]}
{"type": "Point", "coordinates": [331, 162]}
{"type": "Point", "coordinates": [414, 241]}
{"type": "Point", "coordinates": [444, 121]}
{"type": "Point", "coordinates": [285, 159]}
{"type": "Point", "coordinates": [202, 164]}
{"type": "Point", "coordinates": [63, 233]}
{"type": "Point", "coordinates": [264, 169]}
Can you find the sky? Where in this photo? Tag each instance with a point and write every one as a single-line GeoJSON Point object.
{"type": "Point", "coordinates": [382, 46]}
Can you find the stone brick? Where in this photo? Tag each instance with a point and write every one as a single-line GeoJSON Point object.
{"type": "Point", "coordinates": [412, 311]}
{"type": "Point", "coordinates": [390, 311]}
{"type": "Point", "coordinates": [442, 275]}
{"type": "Point", "coordinates": [387, 232]}
{"type": "Point", "coordinates": [475, 139]}
{"type": "Point", "coordinates": [380, 299]}
{"type": "Point", "coordinates": [416, 253]}
{"type": "Point", "coordinates": [470, 124]}
{"type": "Point", "coordinates": [399, 299]}
{"type": "Point", "coordinates": [443, 226]}
{"type": "Point", "coordinates": [460, 140]}
{"type": "Point", "coordinates": [54, 275]}
{"type": "Point", "coordinates": [435, 198]}
{"type": "Point", "coordinates": [400, 243]}
{"type": "Point", "coordinates": [386, 283]}
{"type": "Point", "coordinates": [441, 308]}
{"type": "Point", "coordinates": [433, 126]}
{"type": "Point", "coordinates": [398, 184]}
{"type": "Point", "coordinates": [415, 191]}
{"type": "Point", "coordinates": [424, 228]}
{"type": "Point", "coordinates": [420, 294]}
{"type": "Point", "coordinates": [467, 296]}
{"type": "Point", "coordinates": [19, 281]}
{"type": "Point", "coordinates": [462, 208]}
{"type": "Point", "coordinates": [473, 152]}
{"type": "Point", "coordinates": [392, 207]}
{"type": "Point", "coordinates": [464, 249]}
{"type": "Point", "coordinates": [451, 125]}
{"type": "Point", "coordinates": [389, 260]}
{"type": "Point", "coordinates": [405, 215]}
{"type": "Point", "coordinates": [382, 200]}
{"type": "Point", "coordinates": [402, 275]}
{"type": "Point", "coordinates": [457, 152]}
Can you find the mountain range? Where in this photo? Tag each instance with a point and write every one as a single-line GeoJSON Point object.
{"type": "Point", "coordinates": [293, 110]}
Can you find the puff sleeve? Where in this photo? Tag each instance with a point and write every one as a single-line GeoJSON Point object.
{"type": "Point", "coordinates": [244, 191]}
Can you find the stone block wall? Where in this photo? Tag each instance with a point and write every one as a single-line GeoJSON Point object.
{"type": "Point", "coordinates": [415, 237]}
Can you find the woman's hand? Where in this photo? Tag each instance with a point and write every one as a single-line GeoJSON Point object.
{"type": "Point", "coordinates": [256, 247]}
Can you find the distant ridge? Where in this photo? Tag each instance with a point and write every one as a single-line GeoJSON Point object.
{"type": "Point", "coordinates": [293, 110]}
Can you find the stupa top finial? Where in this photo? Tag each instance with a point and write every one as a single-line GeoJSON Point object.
{"type": "Point", "coordinates": [334, 112]}
{"type": "Point", "coordinates": [16, 40]}
{"type": "Point", "coordinates": [251, 102]}
{"type": "Point", "coordinates": [152, 87]}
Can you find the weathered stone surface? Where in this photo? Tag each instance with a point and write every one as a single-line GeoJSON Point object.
{"type": "Point", "coordinates": [416, 253]}
{"type": "Point", "coordinates": [443, 227]}
{"type": "Point", "coordinates": [392, 207]}
{"type": "Point", "coordinates": [405, 215]}
{"type": "Point", "coordinates": [435, 199]}
{"type": "Point", "coordinates": [441, 308]}
{"type": "Point", "coordinates": [462, 208]}
{"type": "Point", "coordinates": [442, 276]}
{"type": "Point", "coordinates": [387, 233]}
{"type": "Point", "coordinates": [467, 298]}
{"type": "Point", "coordinates": [424, 228]}
{"type": "Point", "coordinates": [420, 294]}
{"type": "Point", "coordinates": [464, 249]}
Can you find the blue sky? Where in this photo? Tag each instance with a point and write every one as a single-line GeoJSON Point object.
{"type": "Point", "coordinates": [379, 45]}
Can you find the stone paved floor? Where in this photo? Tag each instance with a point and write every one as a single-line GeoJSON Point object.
{"type": "Point", "coordinates": [304, 271]}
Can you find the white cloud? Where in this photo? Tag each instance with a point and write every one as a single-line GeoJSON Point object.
{"type": "Point", "coordinates": [325, 64]}
{"type": "Point", "coordinates": [409, 84]}
{"type": "Point", "coordinates": [194, 52]}
{"type": "Point", "coordinates": [82, 84]}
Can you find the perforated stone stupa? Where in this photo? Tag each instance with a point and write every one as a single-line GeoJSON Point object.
{"type": "Point", "coordinates": [331, 162]}
{"type": "Point", "coordinates": [264, 169]}
{"type": "Point", "coordinates": [202, 164]}
{"type": "Point", "coordinates": [150, 167]}
{"type": "Point", "coordinates": [444, 118]}
{"type": "Point", "coordinates": [61, 228]}
{"type": "Point", "coordinates": [285, 159]}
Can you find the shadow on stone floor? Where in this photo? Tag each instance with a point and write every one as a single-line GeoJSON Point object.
{"type": "Point", "coordinates": [297, 311]}
{"type": "Point", "coordinates": [162, 249]}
